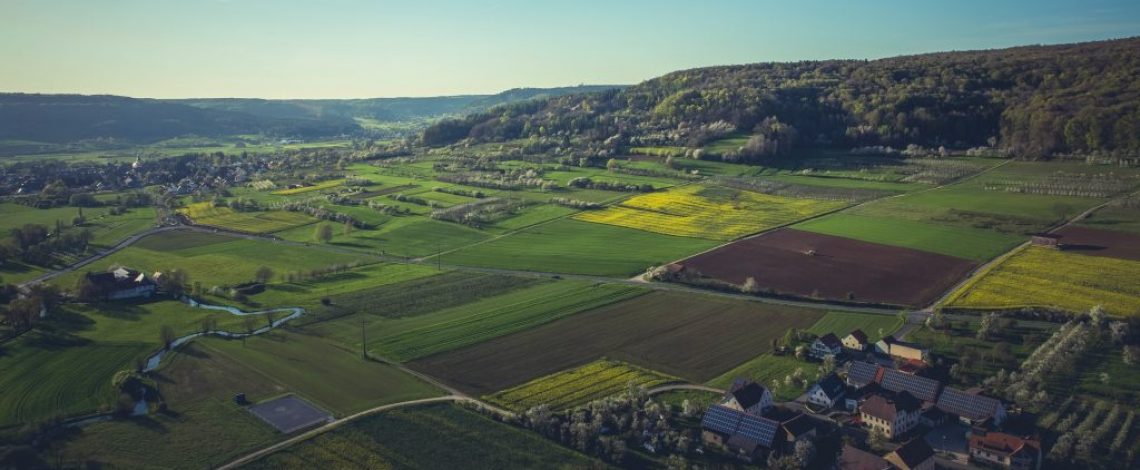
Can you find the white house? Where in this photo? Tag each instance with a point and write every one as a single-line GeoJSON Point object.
{"type": "Point", "coordinates": [750, 397]}
{"type": "Point", "coordinates": [826, 345]}
{"type": "Point", "coordinates": [827, 392]}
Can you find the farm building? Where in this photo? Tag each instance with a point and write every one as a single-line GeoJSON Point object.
{"type": "Point", "coordinates": [861, 373]}
{"type": "Point", "coordinates": [892, 414]}
{"type": "Point", "coordinates": [1046, 240]}
{"type": "Point", "coordinates": [856, 341]}
{"type": "Point", "coordinates": [121, 283]}
{"type": "Point", "coordinates": [916, 454]}
{"type": "Point", "coordinates": [750, 436]}
{"type": "Point", "coordinates": [1004, 450]}
{"type": "Point", "coordinates": [826, 345]}
{"type": "Point", "coordinates": [827, 392]}
{"type": "Point", "coordinates": [972, 408]}
{"type": "Point", "coordinates": [748, 397]}
{"type": "Point", "coordinates": [854, 459]}
{"type": "Point", "coordinates": [892, 347]}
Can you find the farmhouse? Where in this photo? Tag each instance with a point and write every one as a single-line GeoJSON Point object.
{"type": "Point", "coordinates": [856, 341]}
{"type": "Point", "coordinates": [1004, 450]}
{"type": "Point", "coordinates": [122, 283]}
{"type": "Point", "coordinates": [748, 397]}
{"type": "Point", "coordinates": [972, 408]}
{"type": "Point", "coordinates": [750, 436]}
{"type": "Point", "coordinates": [892, 414]}
{"type": "Point", "coordinates": [826, 345]}
{"type": "Point", "coordinates": [854, 459]}
{"type": "Point", "coordinates": [916, 454]}
{"type": "Point", "coordinates": [827, 392]}
{"type": "Point", "coordinates": [898, 349]}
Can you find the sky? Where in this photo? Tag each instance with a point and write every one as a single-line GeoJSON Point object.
{"type": "Point", "coordinates": [381, 48]}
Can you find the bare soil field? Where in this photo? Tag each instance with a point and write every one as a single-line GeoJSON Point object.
{"type": "Point", "coordinates": [808, 264]}
{"type": "Point", "coordinates": [1088, 241]}
{"type": "Point", "coordinates": [692, 336]}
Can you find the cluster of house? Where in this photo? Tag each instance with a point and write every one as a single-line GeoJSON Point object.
{"type": "Point", "coordinates": [749, 424]}
{"type": "Point", "coordinates": [884, 392]}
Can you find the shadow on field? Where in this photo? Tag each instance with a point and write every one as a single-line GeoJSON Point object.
{"type": "Point", "coordinates": [1084, 247]}
{"type": "Point", "coordinates": [150, 424]}
{"type": "Point", "coordinates": [287, 288]}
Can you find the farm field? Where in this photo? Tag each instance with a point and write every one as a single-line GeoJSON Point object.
{"type": "Point", "coordinates": [1094, 242]}
{"type": "Point", "coordinates": [1046, 277]}
{"type": "Point", "coordinates": [770, 370]}
{"type": "Point", "coordinates": [428, 294]}
{"type": "Point", "coordinates": [331, 377]}
{"type": "Point", "coordinates": [108, 229]}
{"type": "Point", "coordinates": [214, 259]}
{"type": "Point", "coordinates": [343, 285]}
{"type": "Point", "coordinates": [961, 242]}
{"type": "Point", "coordinates": [396, 439]}
{"type": "Point", "coordinates": [578, 386]}
{"type": "Point", "coordinates": [197, 386]}
{"type": "Point", "coordinates": [960, 336]}
{"type": "Point", "coordinates": [204, 213]}
{"type": "Point", "coordinates": [840, 268]}
{"type": "Point", "coordinates": [842, 323]}
{"type": "Point", "coordinates": [712, 212]}
{"type": "Point", "coordinates": [408, 236]}
{"type": "Point", "coordinates": [305, 189]}
{"type": "Point", "coordinates": [408, 338]}
{"type": "Point", "coordinates": [692, 336]}
{"type": "Point", "coordinates": [1119, 218]}
{"type": "Point", "coordinates": [576, 247]}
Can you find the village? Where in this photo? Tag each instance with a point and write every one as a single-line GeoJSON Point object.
{"type": "Point", "coordinates": [890, 415]}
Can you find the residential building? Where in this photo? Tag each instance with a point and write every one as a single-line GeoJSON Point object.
{"type": "Point", "coordinates": [827, 392]}
{"type": "Point", "coordinates": [852, 458]}
{"type": "Point", "coordinates": [857, 341]}
{"type": "Point", "coordinates": [861, 373]}
{"type": "Point", "coordinates": [748, 397]}
{"type": "Point", "coordinates": [1004, 450]}
{"type": "Point", "coordinates": [826, 345]}
{"type": "Point", "coordinates": [923, 388]}
{"type": "Point", "coordinates": [749, 436]}
{"type": "Point", "coordinates": [892, 414]}
{"type": "Point", "coordinates": [916, 454]}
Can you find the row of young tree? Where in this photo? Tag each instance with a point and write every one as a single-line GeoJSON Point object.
{"type": "Point", "coordinates": [1031, 102]}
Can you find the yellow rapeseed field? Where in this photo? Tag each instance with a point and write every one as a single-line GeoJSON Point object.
{"type": "Point", "coordinates": [1050, 278]}
{"type": "Point", "coordinates": [204, 213]}
{"type": "Point", "coordinates": [708, 212]}
{"type": "Point", "coordinates": [578, 386]}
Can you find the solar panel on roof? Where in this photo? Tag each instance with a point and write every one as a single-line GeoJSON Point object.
{"type": "Point", "coordinates": [759, 429]}
{"type": "Point", "coordinates": [965, 404]}
{"type": "Point", "coordinates": [721, 419]}
{"type": "Point", "coordinates": [921, 387]}
{"type": "Point", "coordinates": [861, 373]}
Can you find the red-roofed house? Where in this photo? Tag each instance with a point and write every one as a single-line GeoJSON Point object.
{"type": "Point", "coordinates": [1005, 450]}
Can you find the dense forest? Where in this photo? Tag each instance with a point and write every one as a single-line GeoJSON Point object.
{"type": "Point", "coordinates": [1030, 102]}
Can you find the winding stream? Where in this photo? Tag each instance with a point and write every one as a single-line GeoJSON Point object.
{"type": "Point", "coordinates": [155, 359]}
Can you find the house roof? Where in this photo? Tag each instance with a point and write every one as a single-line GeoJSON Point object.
{"type": "Point", "coordinates": [831, 386]}
{"type": "Point", "coordinates": [861, 373]}
{"type": "Point", "coordinates": [799, 425]}
{"type": "Point", "coordinates": [1003, 443]}
{"type": "Point", "coordinates": [968, 405]}
{"type": "Point", "coordinates": [737, 424]}
{"type": "Point", "coordinates": [854, 459]}
{"type": "Point", "coordinates": [887, 406]}
{"type": "Point", "coordinates": [859, 336]}
{"type": "Point", "coordinates": [921, 387]}
{"type": "Point", "coordinates": [914, 452]}
{"type": "Point", "coordinates": [749, 395]}
{"type": "Point", "coordinates": [830, 340]}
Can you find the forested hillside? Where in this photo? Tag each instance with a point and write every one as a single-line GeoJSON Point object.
{"type": "Point", "coordinates": [1032, 102]}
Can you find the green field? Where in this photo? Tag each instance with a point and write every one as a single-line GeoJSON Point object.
{"type": "Point", "coordinates": [204, 213]}
{"type": "Point", "coordinates": [403, 235]}
{"type": "Point", "coordinates": [572, 246]}
{"type": "Point", "coordinates": [1122, 219]}
{"type": "Point", "coordinates": [962, 242]}
{"type": "Point", "coordinates": [578, 386]}
{"type": "Point", "coordinates": [428, 294]}
{"type": "Point", "coordinates": [216, 259]}
{"type": "Point", "coordinates": [961, 338]}
{"type": "Point", "coordinates": [412, 337]}
{"type": "Point", "coordinates": [842, 323]}
{"type": "Point", "coordinates": [770, 371]}
{"type": "Point", "coordinates": [334, 378]}
{"type": "Point", "coordinates": [427, 437]}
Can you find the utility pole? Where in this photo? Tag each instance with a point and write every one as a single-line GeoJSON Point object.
{"type": "Point", "coordinates": [439, 256]}
{"type": "Point", "coordinates": [363, 341]}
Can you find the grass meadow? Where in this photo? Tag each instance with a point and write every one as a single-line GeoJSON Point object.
{"type": "Point", "coordinates": [962, 242]}
{"type": "Point", "coordinates": [842, 323]}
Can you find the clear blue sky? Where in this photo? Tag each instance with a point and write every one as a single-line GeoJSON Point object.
{"type": "Point", "coordinates": [358, 48]}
